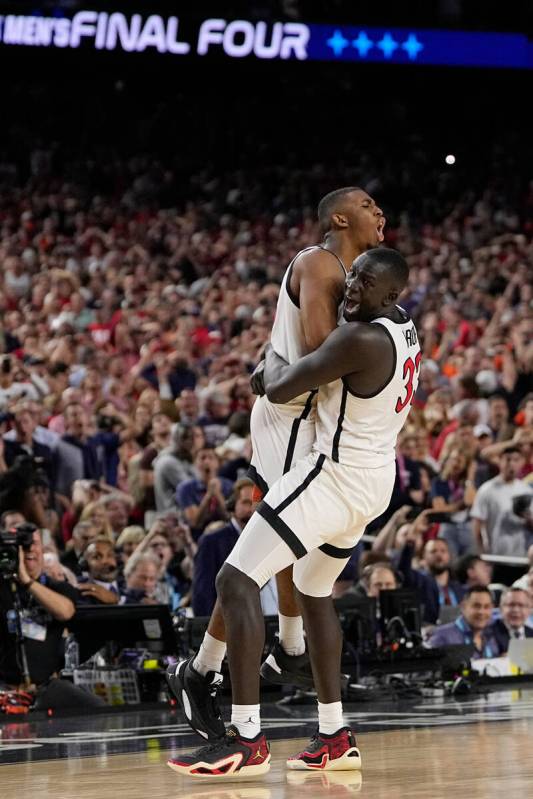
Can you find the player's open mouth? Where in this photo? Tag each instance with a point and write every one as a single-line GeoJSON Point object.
{"type": "Point", "coordinates": [350, 306]}
{"type": "Point", "coordinates": [379, 229]}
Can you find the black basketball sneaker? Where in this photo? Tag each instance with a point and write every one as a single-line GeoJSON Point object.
{"type": "Point", "coordinates": [284, 669]}
{"type": "Point", "coordinates": [197, 696]}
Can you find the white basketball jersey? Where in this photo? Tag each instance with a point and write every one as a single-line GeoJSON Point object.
{"type": "Point", "coordinates": [362, 431]}
{"type": "Point", "coordinates": [287, 337]}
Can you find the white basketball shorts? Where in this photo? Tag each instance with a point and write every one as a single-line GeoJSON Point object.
{"type": "Point", "coordinates": [312, 517]}
{"type": "Point", "coordinates": [281, 435]}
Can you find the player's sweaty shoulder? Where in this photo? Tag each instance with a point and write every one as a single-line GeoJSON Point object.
{"type": "Point", "coordinates": [317, 266]}
{"type": "Point", "coordinates": [370, 339]}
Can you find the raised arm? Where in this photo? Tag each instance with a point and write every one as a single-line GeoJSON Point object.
{"type": "Point", "coordinates": [347, 350]}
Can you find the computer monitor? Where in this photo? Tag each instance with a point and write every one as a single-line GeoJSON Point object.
{"type": "Point", "coordinates": [357, 615]}
{"type": "Point", "coordinates": [134, 626]}
{"type": "Point", "coordinates": [399, 603]}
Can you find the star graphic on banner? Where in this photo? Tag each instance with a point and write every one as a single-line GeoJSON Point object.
{"type": "Point", "coordinates": [388, 45]}
{"type": "Point", "coordinates": [337, 42]}
{"type": "Point", "coordinates": [412, 46]}
{"type": "Point", "coordinates": [363, 44]}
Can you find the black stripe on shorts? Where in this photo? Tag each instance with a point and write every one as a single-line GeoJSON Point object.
{"type": "Point", "coordinates": [337, 436]}
{"type": "Point", "coordinates": [336, 552]}
{"type": "Point", "coordinates": [294, 431]}
{"type": "Point", "coordinates": [315, 471]}
{"type": "Point", "coordinates": [283, 530]}
{"type": "Point", "coordinates": [256, 478]}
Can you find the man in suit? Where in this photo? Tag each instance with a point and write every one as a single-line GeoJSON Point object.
{"type": "Point", "coordinates": [473, 625]}
{"type": "Point", "coordinates": [214, 548]}
{"type": "Point", "coordinates": [82, 535]}
{"type": "Point", "coordinates": [101, 586]}
{"type": "Point", "coordinates": [25, 444]}
{"type": "Point", "coordinates": [515, 607]}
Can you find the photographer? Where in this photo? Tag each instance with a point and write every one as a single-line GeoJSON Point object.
{"type": "Point", "coordinates": [46, 606]}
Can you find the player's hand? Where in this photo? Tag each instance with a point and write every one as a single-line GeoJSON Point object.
{"type": "Point", "coordinates": [98, 592]}
{"type": "Point", "coordinates": [257, 380]}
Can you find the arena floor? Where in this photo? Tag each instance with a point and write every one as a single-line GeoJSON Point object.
{"type": "Point", "coordinates": [432, 747]}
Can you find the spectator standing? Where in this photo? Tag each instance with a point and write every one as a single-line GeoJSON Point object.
{"type": "Point", "coordinates": [214, 547]}
{"type": "Point", "coordinates": [497, 527]}
{"type": "Point", "coordinates": [434, 584]}
{"type": "Point", "coordinates": [203, 498]}
{"type": "Point", "coordinates": [26, 444]}
{"type": "Point", "coordinates": [173, 466]}
{"type": "Point", "coordinates": [215, 418]}
{"type": "Point", "coordinates": [453, 492]}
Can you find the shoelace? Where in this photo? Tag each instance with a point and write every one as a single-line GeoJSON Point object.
{"type": "Point", "coordinates": [314, 738]}
{"type": "Point", "coordinates": [213, 692]}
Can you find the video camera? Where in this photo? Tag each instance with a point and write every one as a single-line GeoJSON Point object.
{"type": "Point", "coordinates": [21, 535]}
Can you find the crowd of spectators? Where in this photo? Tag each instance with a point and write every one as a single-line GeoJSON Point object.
{"type": "Point", "coordinates": [128, 332]}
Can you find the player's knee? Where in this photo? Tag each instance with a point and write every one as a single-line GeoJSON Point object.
{"type": "Point", "coordinates": [233, 585]}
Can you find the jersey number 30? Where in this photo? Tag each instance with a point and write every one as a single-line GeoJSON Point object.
{"type": "Point", "coordinates": [410, 368]}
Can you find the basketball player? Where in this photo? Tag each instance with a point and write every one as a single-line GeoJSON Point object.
{"type": "Point", "coordinates": [316, 513]}
{"type": "Point", "coordinates": [308, 310]}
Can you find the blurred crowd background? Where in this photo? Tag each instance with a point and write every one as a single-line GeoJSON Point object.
{"type": "Point", "coordinates": [146, 220]}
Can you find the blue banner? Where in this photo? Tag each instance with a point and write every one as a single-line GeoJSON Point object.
{"type": "Point", "coordinates": [409, 46]}
{"type": "Point", "coordinates": [138, 33]}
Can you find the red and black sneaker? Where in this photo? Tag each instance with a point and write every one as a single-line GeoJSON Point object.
{"type": "Point", "coordinates": [337, 752]}
{"type": "Point", "coordinates": [231, 757]}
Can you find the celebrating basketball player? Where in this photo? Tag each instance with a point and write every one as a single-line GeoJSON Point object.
{"type": "Point", "coordinates": [308, 310]}
{"type": "Point", "coordinates": [366, 373]}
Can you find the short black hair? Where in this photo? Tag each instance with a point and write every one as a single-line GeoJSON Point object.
{"type": "Point", "coordinates": [393, 261]}
{"type": "Point", "coordinates": [511, 450]}
{"type": "Point", "coordinates": [463, 564]}
{"type": "Point", "coordinates": [498, 395]}
{"type": "Point", "coordinates": [477, 589]}
{"type": "Point", "coordinates": [327, 205]}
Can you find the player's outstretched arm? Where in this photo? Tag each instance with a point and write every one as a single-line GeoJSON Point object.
{"type": "Point", "coordinates": [344, 352]}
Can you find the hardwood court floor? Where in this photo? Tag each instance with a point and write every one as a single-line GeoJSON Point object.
{"type": "Point", "coordinates": [478, 761]}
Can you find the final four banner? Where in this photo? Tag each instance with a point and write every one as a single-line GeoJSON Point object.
{"type": "Point", "coordinates": [239, 38]}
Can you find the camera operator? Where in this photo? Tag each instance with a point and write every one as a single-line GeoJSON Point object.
{"type": "Point", "coordinates": [46, 606]}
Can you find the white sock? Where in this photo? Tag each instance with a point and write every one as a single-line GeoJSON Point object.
{"type": "Point", "coordinates": [247, 719]}
{"type": "Point", "coordinates": [210, 655]}
{"type": "Point", "coordinates": [330, 717]}
{"type": "Point", "coordinates": [291, 634]}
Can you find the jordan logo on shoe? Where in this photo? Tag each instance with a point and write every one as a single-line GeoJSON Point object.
{"type": "Point", "coordinates": [258, 756]}
{"type": "Point", "coordinates": [250, 720]}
